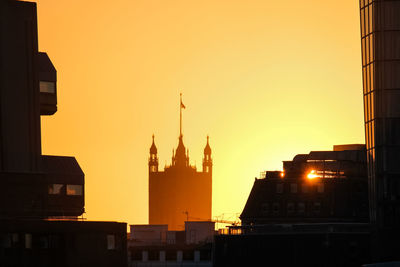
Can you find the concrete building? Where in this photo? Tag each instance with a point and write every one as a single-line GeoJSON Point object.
{"type": "Point", "coordinates": [153, 245]}
{"type": "Point", "coordinates": [179, 193]}
{"type": "Point", "coordinates": [42, 196]}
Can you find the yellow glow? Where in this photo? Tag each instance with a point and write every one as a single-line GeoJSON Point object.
{"type": "Point", "coordinates": [282, 174]}
{"type": "Point", "coordinates": [264, 81]}
{"type": "Point", "coordinates": [312, 175]}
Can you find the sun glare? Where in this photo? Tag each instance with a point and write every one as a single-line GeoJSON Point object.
{"type": "Point", "coordinates": [312, 175]}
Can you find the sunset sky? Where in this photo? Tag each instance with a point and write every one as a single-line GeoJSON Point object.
{"type": "Point", "coordinates": [266, 80]}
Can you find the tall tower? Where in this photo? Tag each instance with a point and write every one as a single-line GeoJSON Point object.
{"type": "Point", "coordinates": [180, 192]}
{"type": "Point", "coordinates": [153, 160]}
{"type": "Point", "coordinates": [380, 39]}
{"type": "Point", "coordinates": [207, 160]}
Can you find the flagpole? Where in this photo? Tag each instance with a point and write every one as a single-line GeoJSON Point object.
{"type": "Point", "coordinates": [180, 121]}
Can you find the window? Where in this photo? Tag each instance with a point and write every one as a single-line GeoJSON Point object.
{"type": "Point", "coordinates": [264, 208]}
{"type": "Point", "coordinates": [153, 168]}
{"type": "Point", "coordinates": [290, 208]}
{"type": "Point", "coordinates": [56, 189]}
{"type": "Point", "coordinates": [301, 208]}
{"type": "Point", "coordinates": [304, 188]}
{"type": "Point", "coordinates": [28, 241]}
{"type": "Point", "coordinates": [317, 207]}
{"type": "Point", "coordinates": [74, 190]}
{"type": "Point", "coordinates": [207, 169]}
{"type": "Point", "coordinates": [47, 87]}
{"type": "Point", "coordinates": [279, 188]}
{"type": "Point", "coordinates": [110, 242]}
{"type": "Point", "coordinates": [320, 188]}
{"type": "Point", "coordinates": [293, 188]}
{"type": "Point", "coordinates": [275, 208]}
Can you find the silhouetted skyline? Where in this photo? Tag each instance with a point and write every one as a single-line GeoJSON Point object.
{"type": "Point", "coordinates": [263, 80]}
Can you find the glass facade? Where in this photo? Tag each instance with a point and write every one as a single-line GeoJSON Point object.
{"type": "Point", "coordinates": [380, 43]}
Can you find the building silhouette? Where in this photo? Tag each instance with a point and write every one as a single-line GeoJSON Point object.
{"type": "Point", "coordinates": [42, 196]}
{"type": "Point", "coordinates": [179, 193]}
{"type": "Point", "coordinates": [380, 35]}
{"type": "Point", "coordinates": [319, 187]}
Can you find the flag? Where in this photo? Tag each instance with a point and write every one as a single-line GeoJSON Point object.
{"type": "Point", "coordinates": [182, 105]}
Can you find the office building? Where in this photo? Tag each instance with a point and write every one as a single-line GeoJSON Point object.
{"type": "Point", "coordinates": [380, 35]}
{"type": "Point", "coordinates": [42, 196]}
{"type": "Point", "coordinates": [319, 187]}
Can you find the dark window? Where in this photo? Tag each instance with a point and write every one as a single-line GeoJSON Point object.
{"type": "Point", "coordinates": [320, 188]}
{"type": "Point", "coordinates": [136, 255]}
{"type": "Point", "coordinates": [290, 208]}
{"type": "Point", "coordinates": [317, 207]}
{"type": "Point", "coordinates": [304, 188]}
{"type": "Point", "coordinates": [154, 255]}
{"type": "Point", "coordinates": [293, 188]}
{"type": "Point", "coordinates": [279, 188]}
{"type": "Point", "coordinates": [301, 208]}
{"type": "Point", "coordinates": [188, 255]}
{"type": "Point", "coordinates": [264, 208]}
{"type": "Point", "coordinates": [205, 255]}
{"type": "Point", "coordinates": [275, 208]}
{"type": "Point", "coordinates": [171, 255]}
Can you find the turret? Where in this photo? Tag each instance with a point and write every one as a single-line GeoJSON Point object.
{"type": "Point", "coordinates": [207, 160]}
{"type": "Point", "coordinates": [153, 160]}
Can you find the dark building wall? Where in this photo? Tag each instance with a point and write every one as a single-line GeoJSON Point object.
{"type": "Point", "coordinates": [62, 243]}
{"type": "Point", "coordinates": [176, 191]}
{"type": "Point", "coordinates": [380, 35]}
{"type": "Point", "coordinates": [300, 200]}
{"type": "Point", "coordinates": [321, 248]}
{"type": "Point", "coordinates": [337, 193]}
{"type": "Point", "coordinates": [20, 141]}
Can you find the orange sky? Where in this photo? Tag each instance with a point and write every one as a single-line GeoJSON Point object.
{"type": "Point", "coordinates": [265, 79]}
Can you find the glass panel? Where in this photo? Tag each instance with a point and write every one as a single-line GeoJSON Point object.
{"type": "Point", "coordinates": [366, 20]}
{"type": "Point", "coordinates": [370, 10]}
{"type": "Point", "coordinates": [372, 106]}
{"type": "Point", "coordinates": [365, 109]}
{"type": "Point", "coordinates": [362, 23]}
{"type": "Point", "coordinates": [74, 190]}
{"type": "Point", "coordinates": [28, 241]}
{"type": "Point", "coordinates": [365, 80]}
{"type": "Point", "coordinates": [371, 48]}
{"type": "Point", "coordinates": [56, 189]}
{"type": "Point", "coordinates": [371, 76]}
{"type": "Point", "coordinates": [367, 50]}
{"type": "Point", "coordinates": [363, 51]}
{"type": "Point", "coordinates": [368, 88]}
{"type": "Point", "coordinates": [111, 242]}
{"type": "Point", "coordinates": [373, 134]}
{"type": "Point", "coordinates": [47, 87]}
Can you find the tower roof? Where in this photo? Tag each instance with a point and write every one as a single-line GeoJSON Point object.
{"type": "Point", "coordinates": [207, 149]}
{"type": "Point", "coordinates": [180, 152]}
{"type": "Point", "coordinates": [153, 148]}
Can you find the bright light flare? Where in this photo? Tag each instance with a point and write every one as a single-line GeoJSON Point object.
{"type": "Point", "coordinates": [282, 174]}
{"type": "Point", "coordinates": [312, 175]}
